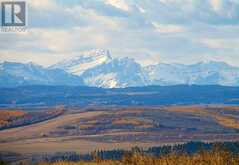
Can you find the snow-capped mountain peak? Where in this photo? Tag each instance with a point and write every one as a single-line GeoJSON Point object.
{"type": "Point", "coordinates": [118, 73]}
{"type": "Point", "coordinates": [87, 60]}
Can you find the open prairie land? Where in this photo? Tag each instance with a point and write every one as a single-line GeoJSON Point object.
{"type": "Point", "coordinates": [89, 129]}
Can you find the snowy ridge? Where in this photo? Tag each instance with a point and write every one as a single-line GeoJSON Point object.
{"type": "Point", "coordinates": [118, 73]}
{"type": "Point", "coordinates": [87, 60]}
{"type": "Point", "coordinates": [203, 73]}
{"type": "Point", "coordinates": [97, 68]}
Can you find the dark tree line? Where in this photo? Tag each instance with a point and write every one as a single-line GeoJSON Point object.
{"type": "Point", "coordinates": [187, 148]}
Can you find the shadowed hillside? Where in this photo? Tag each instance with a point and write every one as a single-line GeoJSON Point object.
{"type": "Point", "coordinates": [148, 96]}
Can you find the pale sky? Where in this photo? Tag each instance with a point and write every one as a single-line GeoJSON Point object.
{"type": "Point", "coordinates": [150, 31]}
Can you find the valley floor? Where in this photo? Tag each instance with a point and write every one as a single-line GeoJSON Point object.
{"type": "Point", "coordinates": [86, 130]}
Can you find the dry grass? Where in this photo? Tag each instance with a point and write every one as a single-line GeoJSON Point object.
{"type": "Point", "coordinates": [227, 121]}
{"type": "Point", "coordinates": [232, 108]}
{"type": "Point", "coordinates": [93, 122]}
{"type": "Point", "coordinates": [120, 122]}
{"type": "Point", "coordinates": [134, 122]}
{"type": "Point", "coordinates": [199, 110]}
{"type": "Point", "coordinates": [129, 111]}
{"type": "Point", "coordinates": [89, 124]}
{"type": "Point", "coordinates": [203, 158]}
{"type": "Point", "coordinates": [36, 130]}
{"type": "Point", "coordinates": [86, 126]}
{"type": "Point", "coordinates": [224, 120]}
{"type": "Point", "coordinates": [31, 138]}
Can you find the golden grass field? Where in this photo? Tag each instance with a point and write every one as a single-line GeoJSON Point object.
{"type": "Point", "coordinates": [129, 127]}
{"type": "Point", "coordinates": [225, 120]}
{"type": "Point", "coordinates": [28, 139]}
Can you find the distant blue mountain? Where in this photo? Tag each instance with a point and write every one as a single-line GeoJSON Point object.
{"type": "Point", "coordinates": [17, 74]}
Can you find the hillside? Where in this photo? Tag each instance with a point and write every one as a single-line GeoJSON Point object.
{"type": "Point", "coordinates": [84, 130]}
{"type": "Point", "coordinates": [84, 96]}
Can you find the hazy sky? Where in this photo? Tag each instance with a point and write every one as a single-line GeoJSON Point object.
{"type": "Point", "coordinates": [151, 31]}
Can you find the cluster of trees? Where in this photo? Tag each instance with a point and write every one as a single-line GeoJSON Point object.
{"type": "Point", "coordinates": [187, 148]}
{"type": "Point", "coordinates": [31, 118]}
{"type": "Point", "coordinates": [215, 157]}
{"type": "Point", "coordinates": [191, 153]}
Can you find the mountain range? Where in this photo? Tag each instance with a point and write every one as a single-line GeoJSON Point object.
{"type": "Point", "coordinates": [98, 68]}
